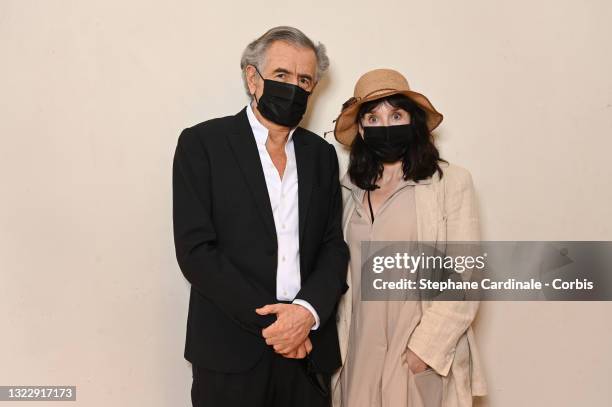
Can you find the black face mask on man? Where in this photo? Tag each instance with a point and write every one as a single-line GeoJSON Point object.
{"type": "Point", "coordinates": [282, 103]}
{"type": "Point", "coordinates": [389, 143]}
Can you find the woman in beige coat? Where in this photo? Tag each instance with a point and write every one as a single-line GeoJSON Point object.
{"type": "Point", "coordinates": [402, 353]}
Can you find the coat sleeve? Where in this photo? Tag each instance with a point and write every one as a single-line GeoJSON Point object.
{"type": "Point", "coordinates": [444, 322]}
{"type": "Point", "coordinates": [327, 281]}
{"type": "Point", "coordinates": [201, 261]}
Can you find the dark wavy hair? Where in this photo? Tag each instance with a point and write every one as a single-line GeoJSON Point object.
{"type": "Point", "coordinates": [420, 161]}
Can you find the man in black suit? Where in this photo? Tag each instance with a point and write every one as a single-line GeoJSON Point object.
{"type": "Point", "coordinates": [257, 230]}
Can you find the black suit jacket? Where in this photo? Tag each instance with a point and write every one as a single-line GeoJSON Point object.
{"type": "Point", "coordinates": [226, 245]}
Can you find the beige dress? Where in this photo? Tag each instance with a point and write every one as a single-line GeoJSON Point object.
{"type": "Point", "coordinates": [446, 210]}
{"type": "Point", "coordinates": [374, 324]}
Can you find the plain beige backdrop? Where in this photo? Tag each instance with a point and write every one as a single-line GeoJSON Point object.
{"type": "Point", "coordinates": [93, 95]}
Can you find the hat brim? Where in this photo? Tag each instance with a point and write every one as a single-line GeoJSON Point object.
{"type": "Point", "coordinates": [346, 126]}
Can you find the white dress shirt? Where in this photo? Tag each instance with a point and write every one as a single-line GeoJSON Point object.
{"type": "Point", "coordinates": [283, 193]}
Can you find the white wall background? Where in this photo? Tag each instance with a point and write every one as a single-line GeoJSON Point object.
{"type": "Point", "coordinates": [93, 95]}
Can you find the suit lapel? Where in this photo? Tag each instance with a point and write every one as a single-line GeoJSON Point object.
{"type": "Point", "coordinates": [242, 142]}
{"type": "Point", "coordinates": [305, 159]}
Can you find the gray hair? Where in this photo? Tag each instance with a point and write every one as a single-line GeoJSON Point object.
{"type": "Point", "coordinates": [255, 52]}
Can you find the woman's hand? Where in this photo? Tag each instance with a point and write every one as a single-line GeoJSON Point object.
{"type": "Point", "coordinates": [415, 364]}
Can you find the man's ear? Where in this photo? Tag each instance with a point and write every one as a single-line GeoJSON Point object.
{"type": "Point", "coordinates": [251, 77]}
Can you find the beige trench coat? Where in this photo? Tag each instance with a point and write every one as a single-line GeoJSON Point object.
{"type": "Point", "coordinates": [443, 338]}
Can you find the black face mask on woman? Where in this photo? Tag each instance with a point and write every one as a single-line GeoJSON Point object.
{"type": "Point", "coordinates": [389, 143]}
{"type": "Point", "coordinates": [282, 103]}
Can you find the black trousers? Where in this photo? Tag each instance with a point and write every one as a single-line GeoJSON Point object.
{"type": "Point", "coordinates": [274, 381]}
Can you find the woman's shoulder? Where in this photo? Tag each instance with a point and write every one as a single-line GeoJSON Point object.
{"type": "Point", "coordinates": [455, 174]}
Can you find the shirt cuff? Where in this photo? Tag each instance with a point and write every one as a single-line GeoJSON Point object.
{"type": "Point", "coordinates": [309, 307]}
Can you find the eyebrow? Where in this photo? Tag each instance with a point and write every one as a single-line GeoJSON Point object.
{"type": "Point", "coordinates": [393, 110]}
{"type": "Point", "coordinates": [283, 70]}
{"type": "Point", "coordinates": [304, 75]}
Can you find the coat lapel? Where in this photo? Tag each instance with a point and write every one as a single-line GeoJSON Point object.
{"type": "Point", "coordinates": [304, 157]}
{"type": "Point", "coordinates": [427, 210]}
{"type": "Point", "coordinates": [242, 142]}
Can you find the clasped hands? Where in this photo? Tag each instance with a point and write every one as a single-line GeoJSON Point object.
{"type": "Point", "coordinates": [288, 335]}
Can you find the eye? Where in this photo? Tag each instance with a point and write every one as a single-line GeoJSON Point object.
{"type": "Point", "coordinates": [280, 75]}
{"type": "Point", "coordinates": [397, 116]}
{"type": "Point", "coordinates": [305, 82]}
{"type": "Point", "coordinates": [372, 119]}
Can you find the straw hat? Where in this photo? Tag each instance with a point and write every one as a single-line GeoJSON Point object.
{"type": "Point", "coordinates": [377, 84]}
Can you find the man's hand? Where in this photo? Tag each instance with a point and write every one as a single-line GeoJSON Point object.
{"type": "Point", "coordinates": [415, 363]}
{"type": "Point", "coordinates": [301, 352]}
{"type": "Point", "coordinates": [291, 329]}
